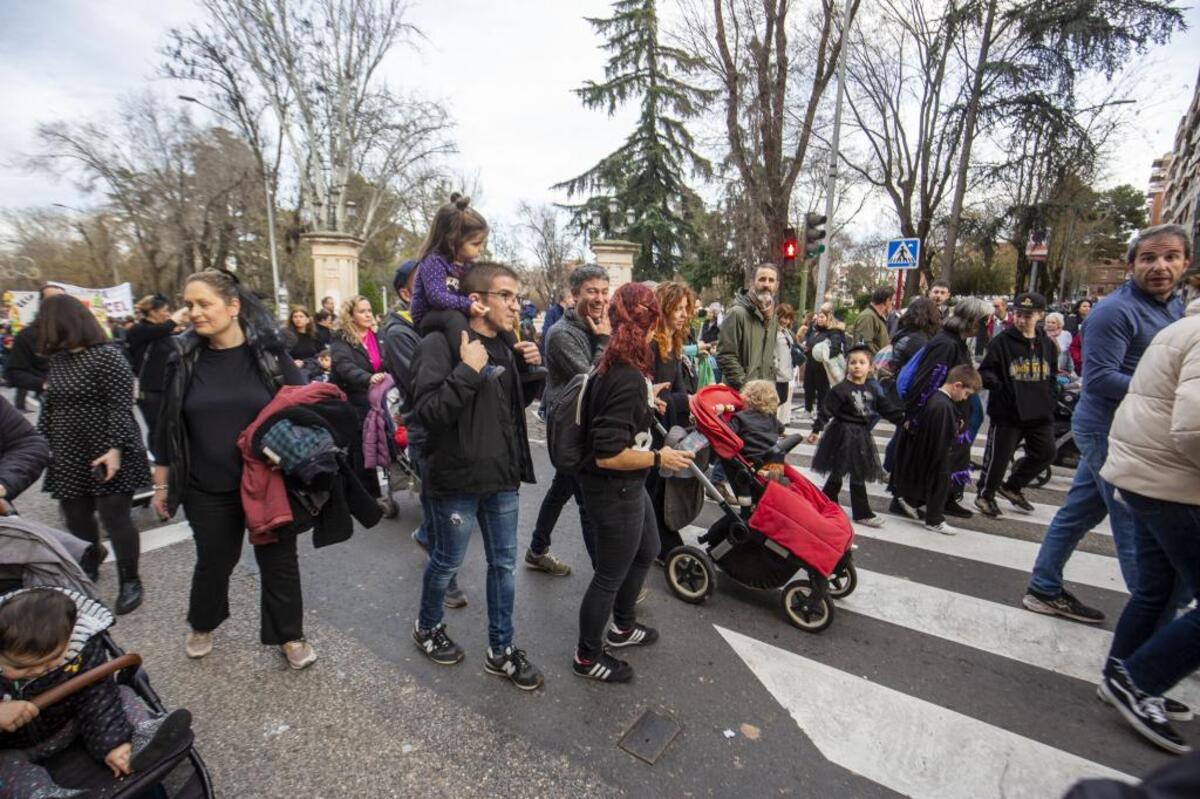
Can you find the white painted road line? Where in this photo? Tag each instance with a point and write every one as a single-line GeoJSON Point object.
{"type": "Point", "coordinates": [159, 537]}
{"type": "Point", "coordinates": [1074, 650]}
{"type": "Point", "coordinates": [911, 746]}
{"type": "Point", "coordinates": [1042, 514]}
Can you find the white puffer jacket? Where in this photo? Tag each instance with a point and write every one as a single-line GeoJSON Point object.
{"type": "Point", "coordinates": [1154, 444]}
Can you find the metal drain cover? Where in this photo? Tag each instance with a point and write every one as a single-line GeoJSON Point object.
{"type": "Point", "coordinates": [649, 736]}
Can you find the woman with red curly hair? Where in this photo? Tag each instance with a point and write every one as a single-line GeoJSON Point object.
{"type": "Point", "coordinates": [620, 404]}
{"type": "Point", "coordinates": [677, 305]}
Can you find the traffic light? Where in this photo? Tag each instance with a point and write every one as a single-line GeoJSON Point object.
{"type": "Point", "coordinates": [814, 231]}
{"type": "Point", "coordinates": [789, 248]}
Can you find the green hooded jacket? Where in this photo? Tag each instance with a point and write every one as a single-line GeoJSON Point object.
{"type": "Point", "coordinates": [746, 347]}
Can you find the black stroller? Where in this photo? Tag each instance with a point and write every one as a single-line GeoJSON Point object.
{"type": "Point", "coordinates": [1066, 453]}
{"type": "Point", "coordinates": [31, 555]}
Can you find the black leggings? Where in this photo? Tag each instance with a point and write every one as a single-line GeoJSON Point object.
{"type": "Point", "coordinates": [626, 542]}
{"type": "Point", "coordinates": [114, 509]}
{"type": "Point", "coordinates": [218, 528]}
{"type": "Point", "coordinates": [860, 506]}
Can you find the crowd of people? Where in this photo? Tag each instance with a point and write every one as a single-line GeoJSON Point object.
{"type": "Point", "coordinates": [466, 362]}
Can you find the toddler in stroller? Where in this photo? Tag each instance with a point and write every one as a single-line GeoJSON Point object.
{"type": "Point", "coordinates": [67, 729]}
{"type": "Point", "coordinates": [783, 527]}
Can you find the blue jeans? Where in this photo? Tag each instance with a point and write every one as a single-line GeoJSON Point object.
{"type": "Point", "coordinates": [416, 456]}
{"type": "Point", "coordinates": [453, 519]}
{"type": "Point", "coordinates": [1090, 499]}
{"type": "Point", "coordinates": [1167, 538]}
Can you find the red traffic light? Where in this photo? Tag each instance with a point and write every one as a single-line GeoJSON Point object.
{"type": "Point", "coordinates": [790, 245]}
{"type": "Point", "coordinates": [789, 249]}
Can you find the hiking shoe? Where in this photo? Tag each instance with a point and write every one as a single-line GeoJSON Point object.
{"type": "Point", "coordinates": [1144, 713]}
{"type": "Point", "coordinates": [637, 635]}
{"type": "Point", "coordinates": [1175, 710]}
{"type": "Point", "coordinates": [605, 668]}
{"type": "Point", "coordinates": [899, 507]}
{"type": "Point", "coordinates": [1065, 605]}
{"type": "Point", "coordinates": [513, 664]}
{"type": "Point", "coordinates": [299, 654]}
{"type": "Point", "coordinates": [197, 645]}
{"type": "Point", "coordinates": [546, 563]}
{"type": "Point", "coordinates": [1015, 496]}
{"type": "Point", "coordinates": [436, 645]}
{"type": "Point", "coordinates": [953, 508]}
{"type": "Point", "coordinates": [870, 521]}
{"type": "Point", "coordinates": [941, 527]}
{"type": "Point", "coordinates": [987, 506]}
{"type": "Point", "coordinates": [454, 597]}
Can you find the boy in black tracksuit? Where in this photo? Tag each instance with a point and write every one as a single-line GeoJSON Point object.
{"type": "Point", "coordinates": [1018, 371]}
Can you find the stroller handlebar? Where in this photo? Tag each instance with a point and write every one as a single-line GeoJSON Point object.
{"type": "Point", "coordinates": [81, 681]}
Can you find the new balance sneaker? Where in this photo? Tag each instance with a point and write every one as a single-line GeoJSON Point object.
{"type": "Point", "coordinates": [637, 635]}
{"type": "Point", "coordinates": [1065, 605]}
{"type": "Point", "coordinates": [987, 506]}
{"type": "Point", "coordinates": [605, 668]}
{"type": "Point", "coordinates": [546, 563]}
{"type": "Point", "coordinates": [870, 521]}
{"type": "Point", "coordinates": [513, 664]}
{"type": "Point", "coordinates": [1144, 713]}
{"type": "Point", "coordinates": [941, 527]}
{"type": "Point", "coordinates": [1015, 496]}
{"type": "Point", "coordinates": [954, 509]}
{"type": "Point", "coordinates": [1175, 710]}
{"type": "Point", "coordinates": [436, 645]}
{"type": "Point", "coordinates": [899, 507]}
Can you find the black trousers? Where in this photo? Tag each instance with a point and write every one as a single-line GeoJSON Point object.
{"type": "Point", "coordinates": [626, 543]}
{"type": "Point", "coordinates": [563, 487]}
{"type": "Point", "coordinates": [860, 506]}
{"type": "Point", "coordinates": [25, 382]}
{"type": "Point", "coordinates": [1002, 444]}
{"type": "Point", "coordinates": [218, 528]}
{"type": "Point", "coordinates": [114, 510]}
{"type": "Point", "coordinates": [816, 383]}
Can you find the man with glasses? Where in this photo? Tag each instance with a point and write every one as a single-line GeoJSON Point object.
{"type": "Point", "coordinates": [1019, 372]}
{"type": "Point", "coordinates": [477, 456]}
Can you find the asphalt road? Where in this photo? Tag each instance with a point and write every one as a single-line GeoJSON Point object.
{"type": "Point", "coordinates": [932, 681]}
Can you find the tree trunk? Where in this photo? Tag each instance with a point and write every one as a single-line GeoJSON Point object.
{"type": "Point", "coordinates": [968, 137]}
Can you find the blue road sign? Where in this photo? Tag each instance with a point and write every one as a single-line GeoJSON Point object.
{"type": "Point", "coordinates": [903, 253]}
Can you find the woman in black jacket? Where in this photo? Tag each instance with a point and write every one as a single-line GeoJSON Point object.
{"type": "Point", "coordinates": [300, 336]}
{"type": "Point", "coordinates": [225, 370]}
{"type": "Point", "coordinates": [620, 411]}
{"type": "Point", "coordinates": [87, 417]}
{"type": "Point", "coordinates": [357, 357]}
{"type": "Point", "coordinates": [23, 455]}
{"type": "Point", "coordinates": [149, 346]}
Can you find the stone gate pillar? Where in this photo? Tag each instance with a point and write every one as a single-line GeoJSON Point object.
{"type": "Point", "coordinates": [616, 257]}
{"type": "Point", "coordinates": [335, 265]}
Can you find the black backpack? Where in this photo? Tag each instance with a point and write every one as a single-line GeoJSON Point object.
{"type": "Point", "coordinates": [566, 425]}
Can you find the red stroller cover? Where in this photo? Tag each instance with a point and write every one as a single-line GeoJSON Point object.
{"type": "Point", "coordinates": [805, 521]}
{"type": "Point", "coordinates": [723, 440]}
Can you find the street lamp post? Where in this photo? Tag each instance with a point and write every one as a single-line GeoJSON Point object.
{"type": "Point", "coordinates": [281, 294]}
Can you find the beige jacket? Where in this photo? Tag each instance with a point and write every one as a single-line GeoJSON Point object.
{"type": "Point", "coordinates": [1154, 444]}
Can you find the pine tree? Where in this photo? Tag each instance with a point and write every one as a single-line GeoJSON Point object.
{"type": "Point", "coordinates": [644, 178]}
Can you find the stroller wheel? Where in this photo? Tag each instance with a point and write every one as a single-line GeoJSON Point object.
{"type": "Point", "coordinates": [1042, 478]}
{"type": "Point", "coordinates": [690, 574]}
{"type": "Point", "coordinates": [844, 581]}
{"type": "Point", "coordinates": [807, 606]}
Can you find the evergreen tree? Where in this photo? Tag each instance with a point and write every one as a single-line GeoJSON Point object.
{"type": "Point", "coordinates": [642, 182]}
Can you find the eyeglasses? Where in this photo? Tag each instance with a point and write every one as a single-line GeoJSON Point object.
{"type": "Point", "coordinates": [508, 297]}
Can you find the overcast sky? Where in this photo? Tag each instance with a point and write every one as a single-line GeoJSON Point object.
{"type": "Point", "coordinates": [505, 70]}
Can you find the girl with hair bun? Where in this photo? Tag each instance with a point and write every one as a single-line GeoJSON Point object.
{"type": "Point", "coordinates": [621, 403]}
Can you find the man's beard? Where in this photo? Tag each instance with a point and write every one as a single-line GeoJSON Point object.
{"type": "Point", "coordinates": [764, 300]}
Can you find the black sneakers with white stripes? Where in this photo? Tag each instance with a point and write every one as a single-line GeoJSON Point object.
{"type": "Point", "coordinates": [513, 664]}
{"type": "Point", "coordinates": [605, 668]}
{"type": "Point", "coordinates": [1145, 713]}
{"type": "Point", "coordinates": [637, 635]}
{"type": "Point", "coordinates": [436, 645]}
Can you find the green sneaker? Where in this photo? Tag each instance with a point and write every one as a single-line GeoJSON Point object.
{"type": "Point", "coordinates": [546, 563]}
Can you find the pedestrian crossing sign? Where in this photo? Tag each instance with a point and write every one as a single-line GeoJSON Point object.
{"type": "Point", "coordinates": [903, 253]}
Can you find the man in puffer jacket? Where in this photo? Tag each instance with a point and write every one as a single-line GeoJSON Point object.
{"type": "Point", "coordinates": [1154, 461]}
{"type": "Point", "coordinates": [48, 636]}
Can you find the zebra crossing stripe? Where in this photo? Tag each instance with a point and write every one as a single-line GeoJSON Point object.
{"type": "Point", "coordinates": [911, 746]}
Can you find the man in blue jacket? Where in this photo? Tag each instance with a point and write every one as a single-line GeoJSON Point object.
{"type": "Point", "coordinates": [1118, 332]}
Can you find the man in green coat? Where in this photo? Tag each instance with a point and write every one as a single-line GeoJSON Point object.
{"type": "Point", "coordinates": [746, 347]}
{"type": "Point", "coordinates": [871, 326]}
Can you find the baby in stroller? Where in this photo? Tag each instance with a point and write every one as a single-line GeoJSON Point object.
{"type": "Point", "coordinates": [758, 426]}
{"type": "Point", "coordinates": [48, 636]}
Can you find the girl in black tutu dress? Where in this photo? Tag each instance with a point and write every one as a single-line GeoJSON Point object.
{"type": "Point", "coordinates": [847, 447]}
